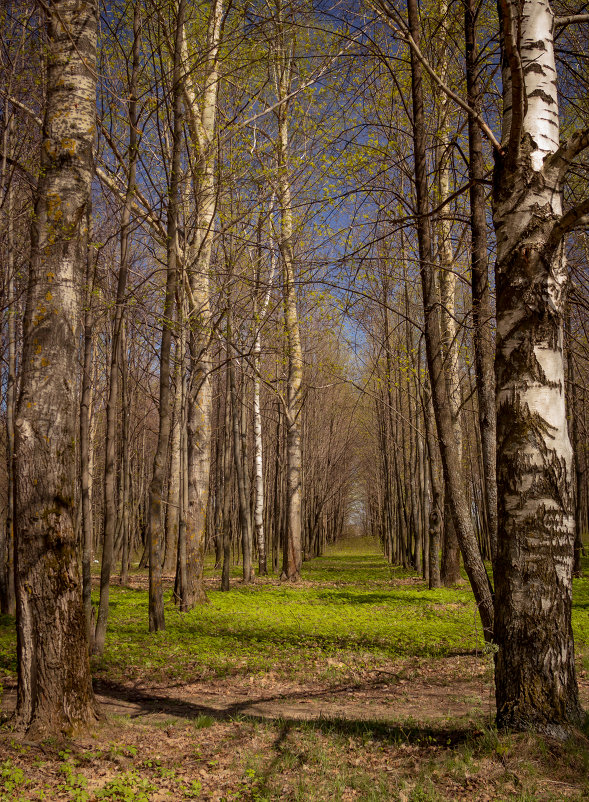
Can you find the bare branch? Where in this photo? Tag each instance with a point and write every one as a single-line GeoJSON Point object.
{"type": "Point", "coordinates": [562, 22]}
{"type": "Point", "coordinates": [574, 217]}
{"type": "Point", "coordinates": [560, 161]}
{"type": "Point", "coordinates": [390, 15]}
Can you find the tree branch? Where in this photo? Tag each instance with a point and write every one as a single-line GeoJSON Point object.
{"type": "Point", "coordinates": [575, 216]}
{"type": "Point", "coordinates": [562, 22]}
{"type": "Point", "coordinates": [143, 210]}
{"type": "Point", "coordinates": [560, 160]}
{"type": "Point", "coordinates": [400, 29]}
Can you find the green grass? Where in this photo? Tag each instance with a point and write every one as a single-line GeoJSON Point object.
{"type": "Point", "coordinates": [352, 613]}
{"type": "Point", "coordinates": [353, 616]}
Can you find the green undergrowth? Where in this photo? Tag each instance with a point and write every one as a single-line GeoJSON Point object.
{"type": "Point", "coordinates": [351, 612]}
{"type": "Point", "coordinates": [354, 616]}
{"type": "Point", "coordinates": [326, 760]}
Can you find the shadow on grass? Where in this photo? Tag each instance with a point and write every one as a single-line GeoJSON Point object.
{"type": "Point", "coordinates": [390, 732]}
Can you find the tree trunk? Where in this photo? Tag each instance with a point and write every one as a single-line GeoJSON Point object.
{"type": "Point", "coordinates": [7, 597]}
{"type": "Point", "coordinates": [174, 489]}
{"type": "Point", "coordinates": [244, 516]}
{"type": "Point", "coordinates": [85, 452]}
{"type": "Point", "coordinates": [293, 558]}
{"type": "Point", "coordinates": [125, 505]}
{"type": "Point", "coordinates": [54, 683]}
{"type": "Point", "coordinates": [444, 419]}
{"type": "Point", "coordinates": [258, 443]}
{"type": "Point", "coordinates": [450, 568]}
{"type": "Point", "coordinates": [227, 485]}
{"type": "Point", "coordinates": [202, 117]}
{"type": "Point", "coordinates": [110, 467]}
{"type": "Point", "coordinates": [481, 303]}
{"type": "Point", "coordinates": [155, 534]}
{"type": "Point", "coordinates": [535, 680]}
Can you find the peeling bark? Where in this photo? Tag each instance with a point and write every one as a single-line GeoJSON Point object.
{"type": "Point", "coordinates": [536, 686]}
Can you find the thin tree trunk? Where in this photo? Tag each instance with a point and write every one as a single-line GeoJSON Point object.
{"type": "Point", "coordinates": [125, 505]}
{"type": "Point", "coordinates": [258, 444]}
{"type": "Point", "coordinates": [293, 558]}
{"type": "Point", "coordinates": [244, 517]}
{"type": "Point", "coordinates": [155, 534]}
{"type": "Point", "coordinates": [85, 452]}
{"type": "Point", "coordinates": [444, 419]}
{"type": "Point", "coordinates": [227, 485]}
{"type": "Point", "coordinates": [110, 467]}
{"type": "Point", "coordinates": [481, 303]}
{"type": "Point", "coordinates": [174, 489]}
{"type": "Point", "coordinates": [7, 597]}
{"type": "Point", "coordinates": [450, 568]}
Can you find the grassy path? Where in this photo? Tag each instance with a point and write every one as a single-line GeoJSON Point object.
{"type": "Point", "coordinates": [356, 683]}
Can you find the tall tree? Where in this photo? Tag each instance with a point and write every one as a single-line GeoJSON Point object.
{"type": "Point", "coordinates": [112, 404]}
{"type": "Point", "coordinates": [442, 408]}
{"type": "Point", "coordinates": [156, 604]}
{"type": "Point", "coordinates": [535, 680]}
{"type": "Point", "coordinates": [481, 303]}
{"type": "Point", "coordinates": [293, 556]}
{"type": "Point", "coordinates": [54, 684]}
{"type": "Point", "coordinates": [201, 109]}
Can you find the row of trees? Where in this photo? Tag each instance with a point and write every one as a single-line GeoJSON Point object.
{"type": "Point", "coordinates": [274, 280]}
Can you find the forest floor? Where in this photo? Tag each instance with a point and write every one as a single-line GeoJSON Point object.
{"type": "Point", "coordinates": [358, 683]}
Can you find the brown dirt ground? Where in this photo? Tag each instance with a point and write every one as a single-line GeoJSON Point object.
{"type": "Point", "coordinates": [241, 739]}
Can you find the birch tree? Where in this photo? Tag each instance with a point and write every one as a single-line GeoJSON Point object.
{"type": "Point", "coordinates": [54, 684]}
{"type": "Point", "coordinates": [292, 558]}
{"type": "Point", "coordinates": [536, 687]}
{"type": "Point", "coordinates": [201, 111]}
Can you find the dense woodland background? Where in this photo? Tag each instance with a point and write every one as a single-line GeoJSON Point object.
{"type": "Point", "coordinates": [253, 322]}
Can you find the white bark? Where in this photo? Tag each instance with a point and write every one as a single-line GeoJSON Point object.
{"type": "Point", "coordinates": [535, 680]}
{"type": "Point", "coordinates": [202, 117]}
{"type": "Point", "coordinates": [258, 445]}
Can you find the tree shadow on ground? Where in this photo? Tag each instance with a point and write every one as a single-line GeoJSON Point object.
{"type": "Point", "coordinates": [149, 703]}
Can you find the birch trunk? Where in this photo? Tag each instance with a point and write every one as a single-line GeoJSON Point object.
{"type": "Point", "coordinates": [244, 516]}
{"type": "Point", "coordinates": [54, 684]}
{"type": "Point", "coordinates": [450, 568]}
{"type": "Point", "coordinates": [259, 317]}
{"type": "Point", "coordinates": [292, 559]}
{"type": "Point", "coordinates": [202, 125]}
{"type": "Point", "coordinates": [536, 686]}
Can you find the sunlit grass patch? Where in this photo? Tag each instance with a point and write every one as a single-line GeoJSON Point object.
{"type": "Point", "coordinates": [352, 612]}
{"type": "Point", "coordinates": [290, 629]}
